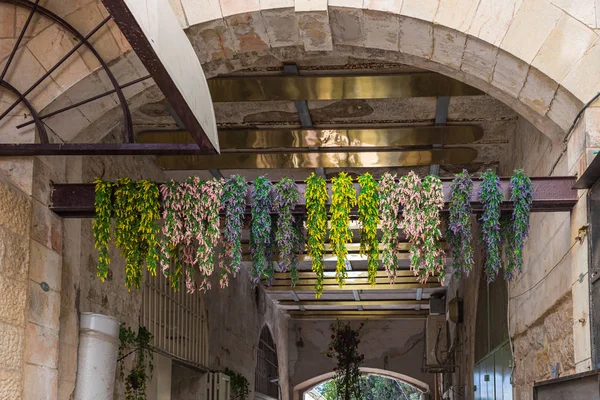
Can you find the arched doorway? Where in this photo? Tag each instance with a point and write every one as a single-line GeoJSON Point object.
{"type": "Point", "coordinates": [301, 389]}
{"type": "Point", "coordinates": [266, 381]}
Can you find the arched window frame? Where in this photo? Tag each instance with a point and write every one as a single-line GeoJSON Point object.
{"type": "Point", "coordinates": [266, 381]}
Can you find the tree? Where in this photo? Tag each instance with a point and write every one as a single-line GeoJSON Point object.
{"type": "Point", "coordinates": [373, 387]}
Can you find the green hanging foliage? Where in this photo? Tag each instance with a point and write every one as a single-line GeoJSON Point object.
{"type": "Point", "coordinates": [459, 224]}
{"type": "Point", "coordinates": [135, 233]}
{"type": "Point", "coordinates": [491, 196]}
{"type": "Point", "coordinates": [234, 202]}
{"type": "Point", "coordinates": [316, 225]}
{"type": "Point", "coordinates": [240, 387]}
{"type": "Point", "coordinates": [172, 232]}
{"type": "Point", "coordinates": [285, 199]}
{"type": "Point", "coordinates": [522, 198]}
{"type": "Point", "coordinates": [101, 225]}
{"type": "Point", "coordinates": [343, 198]}
{"type": "Point", "coordinates": [260, 232]}
{"type": "Point", "coordinates": [368, 216]}
{"type": "Point", "coordinates": [136, 381]}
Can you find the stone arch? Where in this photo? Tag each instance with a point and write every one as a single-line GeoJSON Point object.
{"type": "Point", "coordinates": [543, 80]}
{"type": "Point", "coordinates": [301, 388]}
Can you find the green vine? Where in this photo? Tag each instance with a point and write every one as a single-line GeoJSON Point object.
{"type": "Point", "coordinates": [136, 381]}
{"type": "Point", "coordinates": [260, 232]}
{"type": "Point", "coordinates": [135, 211]}
{"type": "Point", "coordinates": [368, 216]}
{"type": "Point", "coordinates": [343, 198]}
{"type": "Point", "coordinates": [101, 225]}
{"type": "Point", "coordinates": [522, 198]}
{"type": "Point", "coordinates": [172, 232]}
{"type": "Point", "coordinates": [491, 196]}
{"type": "Point", "coordinates": [240, 388]}
{"type": "Point", "coordinates": [459, 224]}
{"type": "Point", "coordinates": [285, 198]}
{"type": "Point", "coordinates": [316, 225]}
{"type": "Point", "coordinates": [234, 202]}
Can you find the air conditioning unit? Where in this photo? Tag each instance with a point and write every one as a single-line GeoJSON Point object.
{"type": "Point", "coordinates": [216, 386]}
{"type": "Point", "coordinates": [437, 340]}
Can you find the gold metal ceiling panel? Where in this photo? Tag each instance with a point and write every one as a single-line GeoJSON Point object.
{"type": "Point", "coordinates": [269, 88]}
{"type": "Point", "coordinates": [321, 159]}
{"type": "Point", "coordinates": [351, 303]}
{"type": "Point", "coordinates": [330, 138]}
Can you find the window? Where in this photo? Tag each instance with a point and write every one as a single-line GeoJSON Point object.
{"type": "Point", "coordinates": [266, 381]}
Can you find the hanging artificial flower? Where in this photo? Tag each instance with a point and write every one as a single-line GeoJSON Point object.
{"type": "Point", "coordinates": [285, 199]}
{"type": "Point", "coordinates": [127, 239]}
{"type": "Point", "coordinates": [522, 197]}
{"type": "Point", "coordinates": [491, 196]}
{"type": "Point", "coordinates": [368, 216]}
{"type": "Point", "coordinates": [389, 210]}
{"type": "Point", "coordinates": [101, 225]}
{"type": "Point", "coordinates": [316, 225]}
{"type": "Point", "coordinates": [260, 233]}
{"type": "Point", "coordinates": [147, 199]}
{"type": "Point", "coordinates": [173, 232]}
{"type": "Point", "coordinates": [343, 198]}
{"type": "Point", "coordinates": [234, 202]}
{"type": "Point", "coordinates": [422, 202]}
{"type": "Point", "coordinates": [191, 230]}
{"type": "Point", "coordinates": [300, 238]}
{"type": "Point", "coordinates": [459, 224]}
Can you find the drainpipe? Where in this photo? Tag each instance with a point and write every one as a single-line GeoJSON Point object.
{"type": "Point", "coordinates": [97, 357]}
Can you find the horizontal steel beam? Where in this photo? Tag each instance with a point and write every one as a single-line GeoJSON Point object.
{"type": "Point", "coordinates": [335, 137]}
{"type": "Point", "coordinates": [365, 314]}
{"type": "Point", "coordinates": [351, 303]}
{"type": "Point", "coordinates": [348, 157]}
{"type": "Point", "coordinates": [551, 194]}
{"type": "Point", "coordinates": [338, 87]}
{"type": "Point", "coordinates": [335, 287]}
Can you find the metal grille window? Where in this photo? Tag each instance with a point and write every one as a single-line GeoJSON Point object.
{"type": "Point", "coordinates": [177, 320]}
{"type": "Point", "coordinates": [266, 381]}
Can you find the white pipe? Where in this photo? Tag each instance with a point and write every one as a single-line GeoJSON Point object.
{"type": "Point", "coordinates": [97, 357]}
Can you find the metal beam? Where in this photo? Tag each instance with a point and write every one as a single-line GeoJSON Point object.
{"type": "Point", "coordinates": [590, 176]}
{"type": "Point", "coordinates": [333, 137]}
{"type": "Point", "coordinates": [349, 157]}
{"type": "Point", "coordinates": [365, 315]}
{"type": "Point", "coordinates": [336, 87]}
{"type": "Point", "coordinates": [441, 118]}
{"type": "Point", "coordinates": [349, 303]}
{"type": "Point", "coordinates": [148, 26]}
{"type": "Point", "coordinates": [550, 194]}
{"type": "Point", "coordinates": [335, 287]}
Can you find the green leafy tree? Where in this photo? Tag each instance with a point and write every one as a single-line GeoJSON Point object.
{"type": "Point", "coordinates": [373, 387]}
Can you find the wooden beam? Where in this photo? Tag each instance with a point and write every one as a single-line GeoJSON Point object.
{"type": "Point", "coordinates": [349, 282]}
{"type": "Point", "coordinates": [550, 194]}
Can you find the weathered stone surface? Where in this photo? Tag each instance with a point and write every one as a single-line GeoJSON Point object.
{"type": "Point", "coordinates": [346, 26]}
{"type": "Point", "coordinates": [381, 30]}
{"type": "Point", "coordinates": [248, 32]}
{"type": "Point", "coordinates": [44, 307]}
{"type": "Point", "coordinates": [10, 384]}
{"type": "Point", "coordinates": [492, 19]}
{"type": "Point", "coordinates": [390, 6]}
{"type": "Point", "coordinates": [46, 265]}
{"type": "Point", "coordinates": [216, 39]}
{"type": "Point", "coordinates": [457, 14]}
{"type": "Point", "coordinates": [416, 37]}
{"type": "Point", "coordinates": [13, 301]}
{"type": "Point", "coordinates": [198, 12]}
{"type": "Point", "coordinates": [556, 59]}
{"type": "Point", "coordinates": [315, 31]}
{"type": "Point", "coordinates": [46, 227]}
{"type": "Point", "coordinates": [14, 255]}
{"type": "Point", "coordinates": [509, 73]}
{"type": "Point", "coordinates": [15, 210]}
{"type": "Point", "coordinates": [41, 346]}
{"type": "Point", "coordinates": [582, 10]}
{"type": "Point", "coordinates": [534, 21]}
{"type": "Point", "coordinates": [281, 25]}
{"type": "Point", "coordinates": [479, 59]}
{"type": "Point", "coordinates": [40, 383]}
{"type": "Point", "coordinates": [11, 343]}
{"type": "Point", "coordinates": [584, 78]}
{"type": "Point", "coordinates": [538, 91]}
{"type": "Point", "coordinates": [448, 46]}
{"type": "Point", "coordinates": [421, 9]}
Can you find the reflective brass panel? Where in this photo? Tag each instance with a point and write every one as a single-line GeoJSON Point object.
{"type": "Point", "coordinates": [350, 303]}
{"type": "Point", "coordinates": [267, 88]}
{"type": "Point", "coordinates": [399, 158]}
{"type": "Point", "coordinates": [293, 138]}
